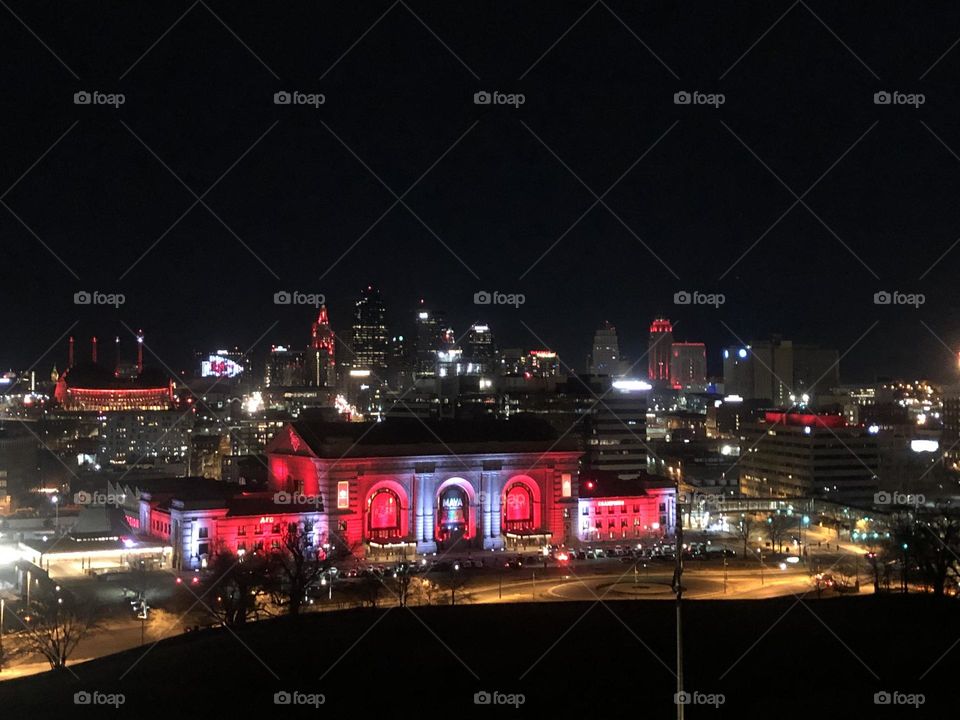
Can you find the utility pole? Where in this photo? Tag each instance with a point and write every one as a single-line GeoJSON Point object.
{"type": "Point", "coordinates": [678, 589]}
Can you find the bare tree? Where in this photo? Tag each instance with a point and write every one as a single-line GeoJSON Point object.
{"type": "Point", "coordinates": [931, 540]}
{"type": "Point", "coordinates": [776, 529]}
{"type": "Point", "coordinates": [745, 527]}
{"type": "Point", "coordinates": [55, 629]}
{"type": "Point", "coordinates": [299, 565]}
{"type": "Point", "coordinates": [238, 585]}
{"type": "Point", "coordinates": [453, 583]}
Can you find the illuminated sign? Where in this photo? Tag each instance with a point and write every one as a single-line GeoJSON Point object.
{"type": "Point", "coordinates": [566, 485]}
{"type": "Point", "coordinates": [219, 366]}
{"type": "Point", "coordinates": [343, 495]}
{"type": "Point", "coordinates": [629, 385]}
{"type": "Point", "coordinates": [452, 502]}
{"type": "Point", "coordinates": [266, 520]}
{"type": "Point", "coordinates": [611, 503]}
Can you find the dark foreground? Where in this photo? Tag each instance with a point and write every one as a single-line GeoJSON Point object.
{"type": "Point", "coordinates": [776, 658]}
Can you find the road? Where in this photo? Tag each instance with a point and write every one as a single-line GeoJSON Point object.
{"type": "Point", "coordinates": [605, 579]}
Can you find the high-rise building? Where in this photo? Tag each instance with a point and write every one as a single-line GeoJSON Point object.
{"type": "Point", "coordinates": [369, 341]}
{"type": "Point", "coordinates": [688, 365]}
{"type": "Point", "coordinates": [659, 350]}
{"type": "Point", "coordinates": [804, 454]}
{"type": "Point", "coordinates": [605, 356]}
{"type": "Point", "coordinates": [616, 430]}
{"type": "Point", "coordinates": [427, 338]}
{"type": "Point", "coordinates": [479, 350]}
{"type": "Point", "coordinates": [284, 368]}
{"type": "Point", "coordinates": [777, 369]}
{"type": "Point", "coordinates": [321, 357]}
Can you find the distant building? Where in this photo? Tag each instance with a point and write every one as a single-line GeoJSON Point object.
{"type": "Point", "coordinates": [321, 355]}
{"type": "Point", "coordinates": [616, 430]}
{"type": "Point", "coordinates": [688, 366]}
{"type": "Point", "coordinates": [285, 367]}
{"type": "Point", "coordinates": [611, 508]}
{"type": "Point", "coordinates": [369, 342]}
{"type": "Point", "coordinates": [479, 350]}
{"type": "Point", "coordinates": [659, 350]}
{"type": "Point", "coordinates": [605, 356]}
{"type": "Point", "coordinates": [804, 454]}
{"type": "Point", "coordinates": [776, 369]}
{"type": "Point", "coordinates": [428, 338]}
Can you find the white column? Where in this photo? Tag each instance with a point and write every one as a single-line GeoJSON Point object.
{"type": "Point", "coordinates": [425, 522]}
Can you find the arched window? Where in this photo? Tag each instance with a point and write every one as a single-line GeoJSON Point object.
{"type": "Point", "coordinates": [383, 517]}
{"type": "Point", "coordinates": [518, 512]}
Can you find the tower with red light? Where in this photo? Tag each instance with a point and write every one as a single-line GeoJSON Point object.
{"type": "Point", "coordinates": [659, 347]}
{"type": "Point", "coordinates": [322, 359]}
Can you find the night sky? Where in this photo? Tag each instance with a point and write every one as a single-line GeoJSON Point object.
{"type": "Point", "coordinates": [301, 197]}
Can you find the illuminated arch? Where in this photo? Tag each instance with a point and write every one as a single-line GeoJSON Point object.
{"type": "Point", "coordinates": [520, 505]}
{"type": "Point", "coordinates": [386, 512]}
{"type": "Point", "coordinates": [470, 516]}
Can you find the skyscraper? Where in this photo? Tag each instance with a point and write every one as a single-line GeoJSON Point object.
{"type": "Point", "coordinates": [479, 350]}
{"type": "Point", "coordinates": [605, 357]}
{"type": "Point", "coordinates": [688, 365]}
{"type": "Point", "coordinates": [659, 349]}
{"type": "Point", "coordinates": [321, 359]}
{"type": "Point", "coordinates": [369, 341]}
{"type": "Point", "coordinates": [427, 340]}
{"type": "Point", "coordinates": [775, 369]}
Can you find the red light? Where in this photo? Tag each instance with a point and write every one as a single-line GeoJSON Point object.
{"type": "Point", "coordinates": [179, 581]}
{"type": "Point", "coordinates": [195, 580]}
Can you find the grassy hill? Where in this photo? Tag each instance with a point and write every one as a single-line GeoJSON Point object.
{"type": "Point", "coordinates": [780, 657]}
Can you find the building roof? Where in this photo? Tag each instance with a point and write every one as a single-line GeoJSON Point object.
{"type": "Point", "coordinates": [411, 436]}
{"type": "Point", "coordinates": [606, 483]}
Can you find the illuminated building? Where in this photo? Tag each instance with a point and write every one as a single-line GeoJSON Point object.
{"type": "Point", "coordinates": [368, 342]}
{"type": "Point", "coordinates": [611, 508]}
{"type": "Point", "coordinates": [688, 365]}
{"type": "Point", "coordinates": [433, 485]}
{"type": "Point", "coordinates": [145, 438]}
{"type": "Point", "coordinates": [542, 364]}
{"type": "Point", "coordinates": [285, 367]}
{"type": "Point", "coordinates": [479, 350]}
{"type": "Point", "coordinates": [659, 350]}
{"type": "Point", "coordinates": [93, 388]}
{"type": "Point", "coordinates": [321, 358]}
{"type": "Point", "coordinates": [616, 430]}
{"type": "Point", "coordinates": [605, 356]}
{"type": "Point", "coordinates": [804, 454]}
{"type": "Point", "coordinates": [428, 339]}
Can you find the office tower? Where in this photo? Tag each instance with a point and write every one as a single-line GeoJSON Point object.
{"type": "Point", "coordinates": [479, 350]}
{"type": "Point", "coordinates": [285, 367]}
{"type": "Point", "coordinates": [616, 430]}
{"type": "Point", "coordinates": [777, 369]}
{"type": "Point", "coordinates": [369, 341]}
{"type": "Point", "coordinates": [659, 350]}
{"type": "Point", "coordinates": [804, 454]}
{"type": "Point", "coordinates": [321, 357]}
{"type": "Point", "coordinates": [688, 365]}
{"type": "Point", "coordinates": [427, 339]}
{"type": "Point", "coordinates": [605, 357]}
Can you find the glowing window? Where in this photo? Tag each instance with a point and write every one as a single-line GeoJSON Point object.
{"type": "Point", "coordinates": [384, 511]}
{"type": "Point", "coordinates": [343, 495]}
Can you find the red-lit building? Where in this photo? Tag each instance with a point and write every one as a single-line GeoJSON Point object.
{"type": "Point", "coordinates": [658, 350]}
{"type": "Point", "coordinates": [94, 388]}
{"type": "Point", "coordinates": [803, 454]}
{"type": "Point", "coordinates": [428, 486]}
{"type": "Point", "coordinates": [611, 508]}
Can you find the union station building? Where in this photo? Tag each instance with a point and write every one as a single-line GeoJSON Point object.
{"type": "Point", "coordinates": [403, 487]}
{"type": "Point", "coordinates": [483, 485]}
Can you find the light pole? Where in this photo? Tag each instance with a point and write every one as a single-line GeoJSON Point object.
{"type": "Point", "coordinates": [2, 607]}
{"type": "Point", "coordinates": [56, 523]}
{"type": "Point", "coordinates": [678, 588]}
